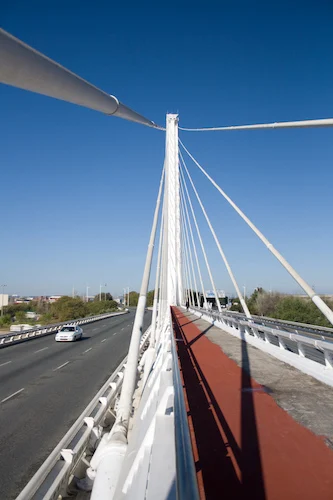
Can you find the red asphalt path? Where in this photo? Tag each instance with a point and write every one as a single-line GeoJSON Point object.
{"type": "Point", "coordinates": [244, 444]}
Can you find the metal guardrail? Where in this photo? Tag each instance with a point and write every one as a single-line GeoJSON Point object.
{"type": "Point", "coordinates": [187, 486]}
{"type": "Point", "coordinates": [17, 338]}
{"type": "Point", "coordinates": [305, 328]}
{"type": "Point", "coordinates": [69, 459]}
{"type": "Point", "coordinates": [312, 356]}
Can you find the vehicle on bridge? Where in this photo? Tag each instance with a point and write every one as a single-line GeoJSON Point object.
{"type": "Point", "coordinates": [69, 333]}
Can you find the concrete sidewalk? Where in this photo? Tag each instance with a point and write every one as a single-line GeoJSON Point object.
{"type": "Point", "coordinates": [259, 428]}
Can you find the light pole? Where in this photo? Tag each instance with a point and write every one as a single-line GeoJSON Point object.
{"type": "Point", "coordinates": [100, 293]}
{"type": "Point", "coordinates": [87, 289]}
{"type": "Point", "coordinates": [105, 291]}
{"type": "Point", "coordinates": [244, 288]}
{"type": "Point", "coordinates": [2, 297]}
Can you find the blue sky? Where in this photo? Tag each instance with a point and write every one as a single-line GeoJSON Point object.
{"type": "Point", "coordinates": [79, 188]}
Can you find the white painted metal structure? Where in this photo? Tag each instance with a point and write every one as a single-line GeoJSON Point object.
{"type": "Point", "coordinates": [147, 452]}
{"type": "Point", "coordinates": [299, 351]}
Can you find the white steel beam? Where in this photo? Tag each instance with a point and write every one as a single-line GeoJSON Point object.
{"type": "Point", "coordinates": [172, 220]}
{"type": "Point", "coordinates": [23, 67]}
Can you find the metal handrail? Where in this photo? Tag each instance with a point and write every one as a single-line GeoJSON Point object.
{"type": "Point", "coordinates": [18, 337]}
{"type": "Point", "coordinates": [97, 403]}
{"type": "Point", "coordinates": [298, 327]}
{"type": "Point", "coordinates": [186, 482]}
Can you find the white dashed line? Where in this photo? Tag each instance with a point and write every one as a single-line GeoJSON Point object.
{"type": "Point", "coordinates": [103, 340]}
{"type": "Point", "coordinates": [94, 329]}
{"type": "Point", "coordinates": [12, 395]}
{"type": "Point", "coordinates": [115, 334]}
{"type": "Point", "coordinates": [122, 329]}
{"type": "Point", "coordinates": [7, 362]}
{"type": "Point", "coordinates": [87, 350]}
{"type": "Point", "coordinates": [40, 350]}
{"type": "Point", "coordinates": [61, 366]}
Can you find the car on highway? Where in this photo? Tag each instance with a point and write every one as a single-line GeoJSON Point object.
{"type": "Point", "coordinates": [69, 333]}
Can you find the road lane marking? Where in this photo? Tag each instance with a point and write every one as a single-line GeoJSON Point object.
{"type": "Point", "coordinates": [94, 329]}
{"type": "Point", "coordinates": [12, 395]}
{"type": "Point", "coordinates": [40, 350]}
{"type": "Point", "coordinates": [115, 333]}
{"type": "Point", "coordinates": [87, 350]}
{"type": "Point", "coordinates": [7, 362]}
{"type": "Point", "coordinates": [103, 340]}
{"type": "Point", "coordinates": [61, 366]}
{"type": "Point", "coordinates": [122, 329]}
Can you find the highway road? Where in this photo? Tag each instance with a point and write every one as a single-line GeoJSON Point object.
{"type": "Point", "coordinates": [44, 387]}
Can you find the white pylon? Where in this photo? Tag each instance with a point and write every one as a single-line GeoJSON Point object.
{"type": "Point", "coordinates": [172, 212]}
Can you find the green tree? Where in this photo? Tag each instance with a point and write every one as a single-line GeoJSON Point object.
{"type": "Point", "coordinates": [300, 310]}
{"type": "Point", "coordinates": [101, 307]}
{"type": "Point", "coordinates": [105, 296]}
{"type": "Point", "coordinates": [235, 305]}
{"type": "Point", "coordinates": [5, 320]}
{"type": "Point", "coordinates": [133, 299]}
{"type": "Point", "coordinates": [150, 298]}
{"type": "Point", "coordinates": [252, 301]}
{"type": "Point", "coordinates": [267, 303]}
{"type": "Point", "coordinates": [67, 308]}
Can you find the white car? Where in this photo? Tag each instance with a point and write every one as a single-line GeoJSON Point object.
{"type": "Point", "coordinates": [69, 333]}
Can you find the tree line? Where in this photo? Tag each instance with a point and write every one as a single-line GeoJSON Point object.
{"type": "Point", "coordinates": [287, 307]}
{"type": "Point", "coordinates": [64, 309]}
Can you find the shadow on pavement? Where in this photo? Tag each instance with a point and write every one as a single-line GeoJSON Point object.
{"type": "Point", "coordinates": [219, 477]}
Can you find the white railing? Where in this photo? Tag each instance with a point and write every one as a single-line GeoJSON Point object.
{"type": "Point", "coordinates": [311, 356]}
{"type": "Point", "coordinates": [324, 331]}
{"type": "Point", "coordinates": [70, 458]}
{"type": "Point", "coordinates": [17, 338]}
{"type": "Point", "coordinates": [159, 462]}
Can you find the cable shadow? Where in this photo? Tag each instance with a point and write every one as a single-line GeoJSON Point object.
{"type": "Point", "coordinates": [247, 455]}
{"type": "Point", "coordinates": [191, 321]}
{"type": "Point", "coordinates": [251, 466]}
{"type": "Point", "coordinates": [214, 462]}
{"type": "Point", "coordinates": [200, 335]}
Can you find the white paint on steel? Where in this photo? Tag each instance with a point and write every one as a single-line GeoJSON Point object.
{"type": "Point", "coordinates": [184, 204]}
{"type": "Point", "coordinates": [218, 244]}
{"type": "Point", "coordinates": [248, 331]}
{"type": "Point", "coordinates": [199, 236]}
{"type": "Point", "coordinates": [172, 217]}
{"type": "Point", "coordinates": [324, 122]}
{"type": "Point", "coordinates": [125, 401]}
{"type": "Point", "coordinates": [328, 313]}
{"type": "Point", "coordinates": [25, 68]}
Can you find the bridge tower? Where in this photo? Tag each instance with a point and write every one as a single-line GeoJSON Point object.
{"type": "Point", "coordinates": [172, 233]}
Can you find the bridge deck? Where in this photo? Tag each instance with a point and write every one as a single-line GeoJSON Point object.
{"type": "Point", "coordinates": [258, 426]}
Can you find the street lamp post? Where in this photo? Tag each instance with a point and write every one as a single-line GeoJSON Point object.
{"type": "Point", "coordinates": [87, 289]}
{"type": "Point", "coordinates": [244, 287]}
{"type": "Point", "coordinates": [2, 297]}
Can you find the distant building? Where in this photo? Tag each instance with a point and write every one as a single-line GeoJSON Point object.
{"type": "Point", "coordinates": [54, 298]}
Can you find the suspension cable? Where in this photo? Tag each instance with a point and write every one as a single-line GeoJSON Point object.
{"type": "Point", "coordinates": [187, 262]}
{"type": "Point", "coordinates": [200, 239]}
{"type": "Point", "coordinates": [187, 240]}
{"type": "Point", "coordinates": [157, 283]}
{"type": "Point", "coordinates": [182, 196]}
{"type": "Point", "coordinates": [227, 265]}
{"type": "Point", "coordinates": [317, 300]}
{"type": "Point", "coordinates": [325, 122]}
